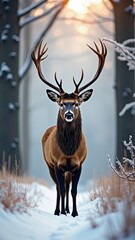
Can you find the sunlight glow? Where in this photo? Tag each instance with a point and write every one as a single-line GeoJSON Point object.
{"type": "Point", "coordinates": [38, 11]}
{"type": "Point", "coordinates": [81, 5]}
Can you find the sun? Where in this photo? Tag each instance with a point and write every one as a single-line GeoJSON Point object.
{"type": "Point", "coordinates": [79, 6]}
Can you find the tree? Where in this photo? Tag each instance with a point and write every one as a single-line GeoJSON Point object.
{"type": "Point", "coordinates": [126, 54]}
{"type": "Point", "coordinates": [12, 21]}
{"type": "Point", "coordinates": [124, 79]}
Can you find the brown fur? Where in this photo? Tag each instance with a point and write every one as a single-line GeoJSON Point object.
{"type": "Point", "coordinates": [53, 155]}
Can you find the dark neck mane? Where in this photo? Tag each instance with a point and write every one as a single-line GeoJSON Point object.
{"type": "Point", "coordinates": [69, 134]}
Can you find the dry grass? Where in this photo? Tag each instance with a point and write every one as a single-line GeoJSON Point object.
{"type": "Point", "coordinates": [125, 223]}
{"type": "Point", "coordinates": [14, 194]}
{"type": "Point", "coordinates": [113, 187]}
{"type": "Point", "coordinates": [111, 191]}
{"type": "Point", "coordinates": [129, 218]}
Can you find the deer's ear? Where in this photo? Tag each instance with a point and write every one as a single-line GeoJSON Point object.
{"type": "Point", "coordinates": [55, 97]}
{"type": "Point", "coordinates": [85, 95]}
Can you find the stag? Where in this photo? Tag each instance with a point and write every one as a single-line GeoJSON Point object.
{"type": "Point", "coordinates": [64, 145]}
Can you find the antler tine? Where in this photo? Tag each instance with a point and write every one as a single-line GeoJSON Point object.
{"type": "Point", "coordinates": [40, 57]}
{"type": "Point", "coordinates": [101, 61]}
{"type": "Point", "coordinates": [59, 84]}
{"type": "Point", "coordinates": [74, 81]}
{"type": "Point", "coordinates": [104, 49]}
{"type": "Point", "coordinates": [33, 55]}
{"type": "Point", "coordinates": [81, 77]}
{"type": "Point", "coordinates": [41, 52]}
{"type": "Point", "coordinates": [78, 84]}
{"type": "Point", "coordinates": [96, 48]}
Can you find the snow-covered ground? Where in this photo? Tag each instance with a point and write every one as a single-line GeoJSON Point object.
{"type": "Point", "coordinates": [39, 223]}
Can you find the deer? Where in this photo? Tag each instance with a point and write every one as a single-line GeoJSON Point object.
{"type": "Point", "coordinates": [64, 145]}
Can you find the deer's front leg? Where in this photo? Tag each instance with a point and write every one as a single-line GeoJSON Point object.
{"type": "Point", "coordinates": [75, 180]}
{"type": "Point", "coordinates": [61, 181]}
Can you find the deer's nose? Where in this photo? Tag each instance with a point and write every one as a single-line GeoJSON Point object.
{"type": "Point", "coordinates": [69, 115]}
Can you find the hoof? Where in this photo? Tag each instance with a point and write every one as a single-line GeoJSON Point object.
{"type": "Point", "coordinates": [57, 212]}
{"type": "Point", "coordinates": [74, 214]}
{"type": "Point", "coordinates": [63, 212]}
{"type": "Point", "coordinates": [67, 210]}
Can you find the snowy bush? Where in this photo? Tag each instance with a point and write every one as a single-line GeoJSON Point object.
{"type": "Point", "coordinates": [15, 196]}
{"type": "Point", "coordinates": [124, 171]}
{"type": "Point", "coordinates": [115, 199]}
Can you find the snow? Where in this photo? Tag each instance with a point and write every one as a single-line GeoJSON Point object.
{"type": "Point", "coordinates": [40, 223]}
{"type": "Point", "coordinates": [4, 68]}
{"type": "Point", "coordinates": [16, 38]}
{"type": "Point", "coordinates": [11, 106]}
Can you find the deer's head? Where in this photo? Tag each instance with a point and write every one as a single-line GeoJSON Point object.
{"type": "Point", "coordinates": [69, 102]}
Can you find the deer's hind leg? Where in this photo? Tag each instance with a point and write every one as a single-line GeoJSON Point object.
{"type": "Point", "coordinates": [68, 177]}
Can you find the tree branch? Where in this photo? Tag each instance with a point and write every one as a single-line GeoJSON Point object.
{"type": "Point", "coordinates": [114, 2]}
{"type": "Point", "coordinates": [89, 22]}
{"type": "Point", "coordinates": [24, 69]}
{"type": "Point", "coordinates": [127, 107]}
{"type": "Point", "coordinates": [85, 21]}
{"type": "Point", "coordinates": [100, 16]}
{"type": "Point", "coordinates": [123, 175]}
{"type": "Point", "coordinates": [106, 5]}
{"type": "Point", "coordinates": [102, 19]}
{"type": "Point", "coordinates": [28, 9]}
{"type": "Point", "coordinates": [126, 53]}
{"type": "Point", "coordinates": [128, 174]}
{"type": "Point", "coordinates": [32, 19]}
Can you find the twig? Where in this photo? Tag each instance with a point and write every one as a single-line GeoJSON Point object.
{"type": "Point", "coordinates": [123, 173]}
{"type": "Point", "coordinates": [28, 9]}
{"type": "Point", "coordinates": [24, 69]}
{"type": "Point", "coordinates": [126, 54]}
{"type": "Point", "coordinates": [34, 18]}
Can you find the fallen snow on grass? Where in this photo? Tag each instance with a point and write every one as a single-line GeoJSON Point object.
{"type": "Point", "coordinates": [39, 223]}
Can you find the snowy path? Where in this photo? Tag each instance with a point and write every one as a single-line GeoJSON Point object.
{"type": "Point", "coordinates": [40, 223]}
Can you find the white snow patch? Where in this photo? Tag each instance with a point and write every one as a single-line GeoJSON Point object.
{"type": "Point", "coordinates": [40, 223]}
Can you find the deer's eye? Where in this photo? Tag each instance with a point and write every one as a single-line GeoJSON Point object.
{"type": "Point", "coordinates": [76, 105]}
{"type": "Point", "coordinates": [61, 105]}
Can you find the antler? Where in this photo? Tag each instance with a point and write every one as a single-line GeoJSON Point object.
{"type": "Point", "coordinates": [40, 57]}
{"type": "Point", "coordinates": [77, 85]}
{"type": "Point", "coordinates": [101, 61]}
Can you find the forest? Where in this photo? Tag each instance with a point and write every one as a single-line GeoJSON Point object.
{"type": "Point", "coordinates": [68, 45]}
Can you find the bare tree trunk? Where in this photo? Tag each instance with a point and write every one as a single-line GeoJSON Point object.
{"type": "Point", "coordinates": [124, 29]}
{"type": "Point", "coordinates": [9, 73]}
{"type": "Point", "coordinates": [9, 44]}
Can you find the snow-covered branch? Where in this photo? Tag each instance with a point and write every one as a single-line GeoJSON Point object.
{"type": "Point", "coordinates": [34, 18]}
{"type": "Point", "coordinates": [26, 10]}
{"type": "Point", "coordinates": [127, 107]}
{"type": "Point", "coordinates": [24, 69]}
{"type": "Point", "coordinates": [125, 52]}
{"type": "Point", "coordinates": [124, 171]}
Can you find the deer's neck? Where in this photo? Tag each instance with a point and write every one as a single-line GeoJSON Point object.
{"type": "Point", "coordinates": [69, 134]}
